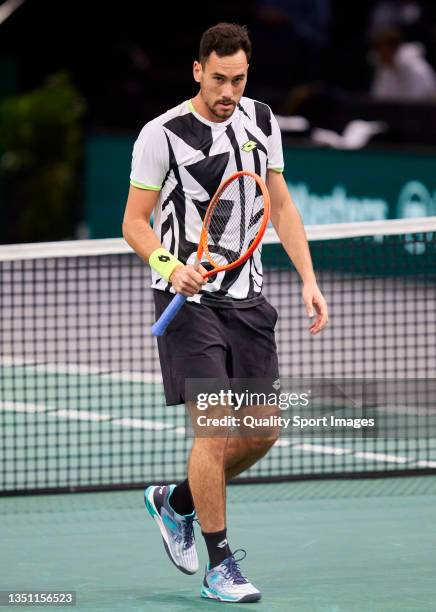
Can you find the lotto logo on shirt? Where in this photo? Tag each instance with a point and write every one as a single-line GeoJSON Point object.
{"type": "Point", "coordinates": [249, 146]}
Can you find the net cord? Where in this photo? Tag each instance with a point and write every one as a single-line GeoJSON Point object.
{"type": "Point", "coordinates": [118, 246]}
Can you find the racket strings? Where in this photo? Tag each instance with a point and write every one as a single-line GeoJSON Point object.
{"type": "Point", "coordinates": [234, 221]}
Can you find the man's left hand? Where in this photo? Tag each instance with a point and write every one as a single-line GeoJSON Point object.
{"type": "Point", "coordinates": [315, 304]}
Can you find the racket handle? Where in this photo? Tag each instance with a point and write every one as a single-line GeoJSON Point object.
{"type": "Point", "coordinates": [168, 315]}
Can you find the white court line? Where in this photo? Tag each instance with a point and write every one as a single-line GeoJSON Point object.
{"type": "Point", "coordinates": [150, 425]}
{"type": "Point", "coordinates": [81, 415]}
{"type": "Point", "coordinates": [426, 464]}
{"type": "Point", "coordinates": [85, 415]}
{"type": "Point", "coordinates": [326, 450]}
{"type": "Point", "coordinates": [142, 424]}
{"type": "Point", "coordinates": [382, 457]}
{"type": "Point", "coordinates": [282, 442]}
{"type": "Point", "coordinates": [72, 369]}
{"type": "Point", "coordinates": [22, 407]}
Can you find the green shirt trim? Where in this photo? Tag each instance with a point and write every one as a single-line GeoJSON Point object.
{"type": "Point", "coordinates": [142, 186]}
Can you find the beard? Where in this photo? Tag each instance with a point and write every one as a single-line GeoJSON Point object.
{"type": "Point", "coordinates": [221, 113]}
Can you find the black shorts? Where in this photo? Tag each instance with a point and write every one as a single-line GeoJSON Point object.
{"type": "Point", "coordinates": [209, 342]}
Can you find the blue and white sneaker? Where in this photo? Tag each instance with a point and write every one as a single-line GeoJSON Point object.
{"type": "Point", "coordinates": [225, 582]}
{"type": "Point", "coordinates": [177, 531]}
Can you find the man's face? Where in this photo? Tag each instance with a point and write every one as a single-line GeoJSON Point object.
{"type": "Point", "coordinates": [222, 82]}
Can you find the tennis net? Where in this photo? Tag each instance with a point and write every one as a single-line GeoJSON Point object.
{"type": "Point", "coordinates": [81, 398]}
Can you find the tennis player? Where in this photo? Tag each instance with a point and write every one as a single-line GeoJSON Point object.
{"type": "Point", "coordinates": [226, 328]}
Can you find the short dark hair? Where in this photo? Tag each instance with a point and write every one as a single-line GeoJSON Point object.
{"type": "Point", "coordinates": [224, 39]}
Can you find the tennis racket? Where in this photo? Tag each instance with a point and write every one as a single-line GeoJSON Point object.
{"type": "Point", "coordinates": [233, 226]}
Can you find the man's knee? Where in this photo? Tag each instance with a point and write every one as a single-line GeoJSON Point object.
{"type": "Point", "coordinates": [215, 447]}
{"type": "Point", "coordinates": [261, 444]}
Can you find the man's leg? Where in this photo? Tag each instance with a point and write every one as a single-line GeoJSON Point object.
{"type": "Point", "coordinates": [206, 475]}
{"type": "Point", "coordinates": [215, 456]}
{"type": "Point", "coordinates": [218, 455]}
{"type": "Point", "coordinates": [240, 454]}
{"type": "Point", "coordinates": [251, 445]}
{"type": "Point", "coordinates": [214, 461]}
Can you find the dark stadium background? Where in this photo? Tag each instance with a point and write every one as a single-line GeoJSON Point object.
{"type": "Point", "coordinates": [128, 62]}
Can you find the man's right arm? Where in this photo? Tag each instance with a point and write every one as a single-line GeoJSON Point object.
{"type": "Point", "coordinates": [138, 232]}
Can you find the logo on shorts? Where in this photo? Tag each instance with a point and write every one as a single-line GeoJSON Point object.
{"type": "Point", "coordinates": [249, 146]}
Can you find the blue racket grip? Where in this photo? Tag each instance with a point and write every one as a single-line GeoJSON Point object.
{"type": "Point", "coordinates": [168, 314]}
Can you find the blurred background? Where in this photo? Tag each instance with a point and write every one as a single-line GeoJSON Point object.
{"type": "Point", "coordinates": [352, 83]}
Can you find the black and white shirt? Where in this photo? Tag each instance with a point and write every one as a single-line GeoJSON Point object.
{"type": "Point", "coordinates": [186, 158]}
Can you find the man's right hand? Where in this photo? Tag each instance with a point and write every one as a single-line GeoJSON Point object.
{"type": "Point", "coordinates": [187, 280]}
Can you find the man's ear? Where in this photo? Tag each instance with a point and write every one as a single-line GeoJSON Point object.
{"type": "Point", "coordinates": [197, 71]}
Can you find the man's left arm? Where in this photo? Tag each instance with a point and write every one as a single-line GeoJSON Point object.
{"type": "Point", "coordinates": [289, 227]}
